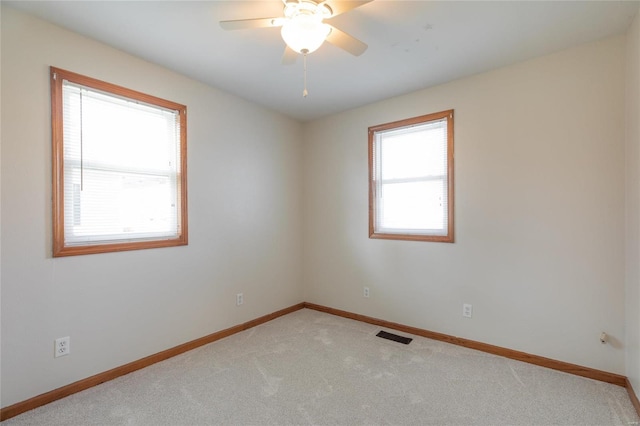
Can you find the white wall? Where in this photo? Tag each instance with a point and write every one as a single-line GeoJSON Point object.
{"type": "Point", "coordinates": [244, 222]}
{"type": "Point", "coordinates": [539, 192]}
{"type": "Point", "coordinates": [632, 157]}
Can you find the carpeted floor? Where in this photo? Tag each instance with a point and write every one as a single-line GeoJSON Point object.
{"type": "Point", "coordinates": [313, 368]}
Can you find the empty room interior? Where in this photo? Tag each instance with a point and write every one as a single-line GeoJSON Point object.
{"type": "Point", "coordinates": [462, 174]}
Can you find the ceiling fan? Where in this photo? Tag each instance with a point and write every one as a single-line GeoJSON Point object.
{"type": "Point", "coordinates": [304, 29]}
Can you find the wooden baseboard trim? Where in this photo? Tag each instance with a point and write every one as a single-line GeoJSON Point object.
{"type": "Point", "coordinates": [70, 389]}
{"type": "Point", "coordinates": [632, 395]}
{"type": "Point", "coordinates": [578, 370]}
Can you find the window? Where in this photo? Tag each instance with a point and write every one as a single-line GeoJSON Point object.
{"type": "Point", "coordinates": [411, 179]}
{"type": "Point", "coordinates": [119, 168]}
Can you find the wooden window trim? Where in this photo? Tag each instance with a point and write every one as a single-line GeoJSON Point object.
{"type": "Point", "coordinates": [449, 238]}
{"type": "Point", "coordinates": [59, 248]}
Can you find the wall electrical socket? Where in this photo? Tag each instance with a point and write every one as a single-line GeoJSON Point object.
{"type": "Point", "coordinates": [239, 299]}
{"type": "Point", "coordinates": [62, 346]}
{"type": "Point", "coordinates": [366, 292]}
{"type": "Point", "coordinates": [467, 310]}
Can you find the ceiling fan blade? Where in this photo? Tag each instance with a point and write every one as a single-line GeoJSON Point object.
{"type": "Point", "coordinates": [243, 24]}
{"type": "Point", "coordinates": [346, 42]}
{"type": "Point", "coordinates": [289, 56]}
{"type": "Point", "coordinates": [341, 6]}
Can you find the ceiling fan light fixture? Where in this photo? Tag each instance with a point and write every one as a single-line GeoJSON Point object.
{"type": "Point", "coordinates": [305, 33]}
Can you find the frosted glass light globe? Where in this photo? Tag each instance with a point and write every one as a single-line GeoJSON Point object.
{"type": "Point", "coordinates": [305, 33]}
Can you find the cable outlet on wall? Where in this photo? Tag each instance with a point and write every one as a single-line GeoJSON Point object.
{"type": "Point", "coordinates": [467, 310]}
{"type": "Point", "coordinates": [366, 292]}
{"type": "Point", "coordinates": [239, 299]}
{"type": "Point", "coordinates": [62, 346]}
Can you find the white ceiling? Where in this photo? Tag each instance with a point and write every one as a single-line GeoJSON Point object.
{"type": "Point", "coordinates": [412, 44]}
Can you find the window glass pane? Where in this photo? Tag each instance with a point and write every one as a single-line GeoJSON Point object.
{"type": "Point", "coordinates": [415, 151]}
{"type": "Point", "coordinates": [118, 133]}
{"type": "Point", "coordinates": [122, 168]}
{"type": "Point", "coordinates": [119, 206]}
{"type": "Point", "coordinates": [418, 206]}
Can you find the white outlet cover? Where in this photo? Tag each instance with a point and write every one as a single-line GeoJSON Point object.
{"type": "Point", "coordinates": [62, 346]}
{"type": "Point", "coordinates": [467, 310]}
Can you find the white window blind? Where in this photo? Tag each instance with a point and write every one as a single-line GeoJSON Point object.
{"type": "Point", "coordinates": [411, 179]}
{"type": "Point", "coordinates": [121, 168]}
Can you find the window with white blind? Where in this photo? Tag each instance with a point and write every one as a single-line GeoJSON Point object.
{"type": "Point", "coordinates": [411, 179]}
{"type": "Point", "coordinates": [119, 168]}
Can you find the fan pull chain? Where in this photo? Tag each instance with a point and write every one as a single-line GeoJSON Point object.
{"type": "Point", "coordinates": [304, 92]}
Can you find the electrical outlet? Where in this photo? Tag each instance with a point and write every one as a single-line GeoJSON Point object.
{"type": "Point", "coordinates": [366, 292]}
{"type": "Point", "coordinates": [467, 310]}
{"type": "Point", "coordinates": [239, 299]}
{"type": "Point", "coordinates": [62, 346]}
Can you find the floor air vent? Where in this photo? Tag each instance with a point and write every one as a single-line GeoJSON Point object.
{"type": "Point", "coordinates": [394, 337]}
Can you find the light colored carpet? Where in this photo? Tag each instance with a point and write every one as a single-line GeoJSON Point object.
{"type": "Point", "coordinates": [313, 368]}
